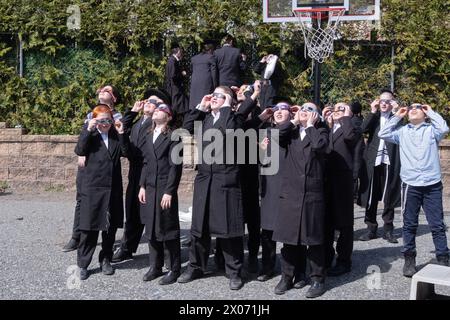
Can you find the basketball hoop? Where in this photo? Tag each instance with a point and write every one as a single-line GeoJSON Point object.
{"type": "Point", "coordinates": [319, 26]}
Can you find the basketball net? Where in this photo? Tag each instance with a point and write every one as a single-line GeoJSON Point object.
{"type": "Point", "coordinates": [319, 28]}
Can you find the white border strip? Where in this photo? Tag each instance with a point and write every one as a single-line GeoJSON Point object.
{"type": "Point", "coordinates": [375, 16]}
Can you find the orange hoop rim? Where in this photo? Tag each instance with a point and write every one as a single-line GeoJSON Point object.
{"type": "Point", "coordinates": [320, 9]}
{"type": "Point", "coordinates": [319, 13]}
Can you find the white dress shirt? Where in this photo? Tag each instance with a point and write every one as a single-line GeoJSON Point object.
{"type": "Point", "coordinates": [336, 126]}
{"type": "Point", "coordinates": [215, 115]}
{"type": "Point", "coordinates": [302, 132]}
{"type": "Point", "coordinates": [382, 154]}
{"type": "Point", "coordinates": [156, 134]}
{"type": "Point", "coordinates": [104, 137]}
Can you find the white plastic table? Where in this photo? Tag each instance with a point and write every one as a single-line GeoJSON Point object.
{"type": "Point", "coordinates": [422, 285]}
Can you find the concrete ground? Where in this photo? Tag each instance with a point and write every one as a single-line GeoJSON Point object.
{"type": "Point", "coordinates": [34, 228]}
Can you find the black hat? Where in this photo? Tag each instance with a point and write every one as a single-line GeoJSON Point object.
{"type": "Point", "coordinates": [160, 93]}
{"type": "Point", "coordinates": [174, 45]}
{"type": "Point", "coordinates": [278, 99]}
{"type": "Point", "coordinates": [356, 107]}
{"type": "Point", "coordinates": [386, 90]}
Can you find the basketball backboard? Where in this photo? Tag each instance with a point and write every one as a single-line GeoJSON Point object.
{"type": "Point", "coordinates": [356, 10]}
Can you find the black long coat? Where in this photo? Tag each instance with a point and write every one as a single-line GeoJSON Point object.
{"type": "Point", "coordinates": [101, 186]}
{"type": "Point", "coordinates": [217, 188]}
{"type": "Point", "coordinates": [302, 205]}
{"type": "Point", "coordinates": [230, 66]}
{"type": "Point", "coordinates": [270, 187]}
{"type": "Point", "coordinates": [339, 174]}
{"type": "Point", "coordinates": [371, 126]}
{"type": "Point", "coordinates": [204, 77]}
{"type": "Point", "coordinates": [359, 148]}
{"type": "Point", "coordinates": [269, 90]}
{"type": "Point", "coordinates": [137, 132]}
{"type": "Point", "coordinates": [160, 176]}
{"type": "Point", "coordinates": [173, 84]}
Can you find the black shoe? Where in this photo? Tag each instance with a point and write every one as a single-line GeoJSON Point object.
{"type": "Point", "coordinates": [121, 255]}
{"type": "Point", "coordinates": [252, 264]}
{"type": "Point", "coordinates": [389, 236]}
{"type": "Point", "coordinates": [368, 235]}
{"type": "Point", "coordinates": [338, 270]}
{"type": "Point", "coordinates": [189, 275]}
{"type": "Point", "coordinates": [84, 273]}
{"type": "Point", "coordinates": [442, 260]}
{"type": "Point", "coordinates": [152, 274]}
{"type": "Point", "coordinates": [300, 281]}
{"type": "Point", "coordinates": [284, 285]}
{"type": "Point", "coordinates": [169, 278]}
{"type": "Point", "coordinates": [71, 245]}
{"type": "Point", "coordinates": [106, 267]}
{"type": "Point", "coordinates": [409, 268]}
{"type": "Point", "coordinates": [316, 290]}
{"type": "Point", "coordinates": [265, 276]}
{"type": "Point", "coordinates": [236, 283]}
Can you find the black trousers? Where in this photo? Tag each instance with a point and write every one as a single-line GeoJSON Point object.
{"type": "Point", "coordinates": [252, 216]}
{"type": "Point", "coordinates": [269, 251]}
{"type": "Point", "coordinates": [293, 261]}
{"type": "Point", "coordinates": [76, 233]}
{"type": "Point", "coordinates": [378, 186]}
{"type": "Point", "coordinates": [170, 249]}
{"type": "Point", "coordinates": [88, 242]}
{"type": "Point", "coordinates": [344, 246]}
{"type": "Point", "coordinates": [253, 220]}
{"type": "Point", "coordinates": [232, 250]}
{"type": "Point", "coordinates": [134, 229]}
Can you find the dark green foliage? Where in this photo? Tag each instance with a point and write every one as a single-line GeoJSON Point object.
{"type": "Point", "coordinates": [125, 42]}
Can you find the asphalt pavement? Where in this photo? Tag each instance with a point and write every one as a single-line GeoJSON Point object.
{"type": "Point", "coordinates": [35, 227]}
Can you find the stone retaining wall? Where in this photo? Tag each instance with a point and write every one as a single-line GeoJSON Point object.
{"type": "Point", "coordinates": [45, 163]}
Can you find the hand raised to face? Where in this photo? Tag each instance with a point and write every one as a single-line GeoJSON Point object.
{"type": "Point", "coordinates": [313, 117]}
{"type": "Point", "coordinates": [403, 111]}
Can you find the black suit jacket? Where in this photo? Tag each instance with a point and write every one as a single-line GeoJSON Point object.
{"type": "Point", "coordinates": [217, 188]}
{"type": "Point", "coordinates": [101, 186]}
{"type": "Point", "coordinates": [160, 175]}
{"type": "Point", "coordinates": [339, 173]}
{"type": "Point", "coordinates": [230, 65]}
{"type": "Point", "coordinates": [371, 126]}
{"type": "Point", "coordinates": [173, 84]}
{"type": "Point", "coordinates": [204, 77]}
{"type": "Point", "coordinates": [302, 209]}
{"type": "Point", "coordinates": [137, 133]}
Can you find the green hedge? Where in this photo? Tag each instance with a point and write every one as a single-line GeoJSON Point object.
{"type": "Point", "coordinates": [122, 42]}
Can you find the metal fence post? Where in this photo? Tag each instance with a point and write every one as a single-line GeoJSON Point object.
{"type": "Point", "coordinates": [20, 56]}
{"type": "Point", "coordinates": [392, 71]}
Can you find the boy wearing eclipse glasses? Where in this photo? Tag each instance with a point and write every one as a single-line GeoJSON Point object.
{"type": "Point", "coordinates": [421, 177]}
{"type": "Point", "coordinates": [136, 126]}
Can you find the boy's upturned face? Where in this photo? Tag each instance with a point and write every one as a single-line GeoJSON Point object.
{"type": "Point", "coordinates": [160, 116]}
{"type": "Point", "coordinates": [306, 109]}
{"type": "Point", "coordinates": [105, 95]}
{"type": "Point", "coordinates": [218, 99]}
{"type": "Point", "coordinates": [338, 112]}
{"type": "Point", "coordinates": [385, 99]}
{"type": "Point", "coordinates": [150, 105]}
{"type": "Point", "coordinates": [416, 114]}
{"type": "Point", "coordinates": [101, 124]}
{"type": "Point", "coordinates": [281, 116]}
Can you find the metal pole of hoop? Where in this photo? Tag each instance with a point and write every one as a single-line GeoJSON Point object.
{"type": "Point", "coordinates": [317, 71]}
